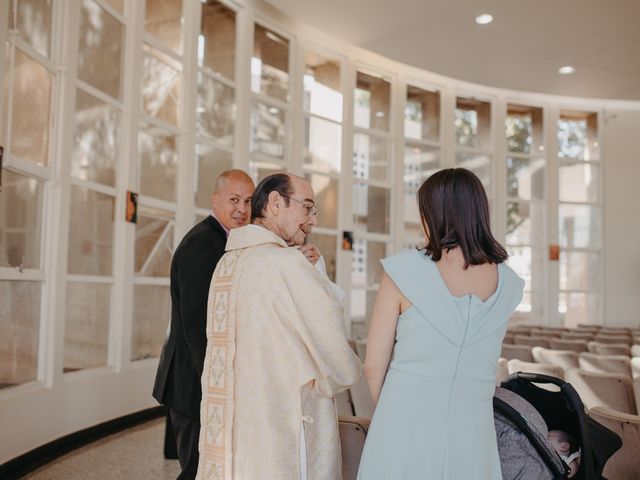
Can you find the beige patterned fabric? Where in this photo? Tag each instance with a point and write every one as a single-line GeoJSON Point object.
{"type": "Point", "coordinates": [277, 353]}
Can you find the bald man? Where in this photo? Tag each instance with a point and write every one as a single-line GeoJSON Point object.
{"type": "Point", "coordinates": [177, 382]}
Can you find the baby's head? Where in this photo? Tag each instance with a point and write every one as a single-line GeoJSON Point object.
{"type": "Point", "coordinates": [562, 442]}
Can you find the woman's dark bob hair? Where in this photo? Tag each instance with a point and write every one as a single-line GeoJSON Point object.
{"type": "Point", "coordinates": [453, 206]}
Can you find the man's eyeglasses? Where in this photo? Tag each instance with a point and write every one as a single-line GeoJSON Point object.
{"type": "Point", "coordinates": [309, 210]}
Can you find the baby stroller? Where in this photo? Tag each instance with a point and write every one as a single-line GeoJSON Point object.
{"type": "Point", "coordinates": [560, 410]}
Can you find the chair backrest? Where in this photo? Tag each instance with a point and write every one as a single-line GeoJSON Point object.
{"type": "Point", "coordinates": [344, 404]}
{"type": "Point", "coordinates": [353, 433]}
{"type": "Point", "coordinates": [635, 350]}
{"type": "Point", "coordinates": [532, 341]}
{"type": "Point", "coordinates": [519, 330]}
{"type": "Point", "coordinates": [624, 464]}
{"type": "Point", "coordinates": [573, 345]}
{"type": "Point", "coordinates": [615, 330]}
{"type": "Point", "coordinates": [603, 389]}
{"type": "Point", "coordinates": [516, 365]}
{"type": "Point", "coordinates": [521, 352]}
{"type": "Point", "coordinates": [609, 348]}
{"type": "Point", "coordinates": [636, 392]}
{"type": "Point", "coordinates": [564, 359]}
{"type": "Point", "coordinates": [602, 338]}
{"type": "Point", "coordinates": [587, 328]}
{"type": "Point", "coordinates": [593, 362]}
{"type": "Point", "coordinates": [573, 335]}
{"type": "Point", "coordinates": [635, 367]}
{"type": "Point", "coordinates": [361, 399]}
{"type": "Point", "coordinates": [361, 348]}
{"type": "Point", "coordinates": [502, 371]}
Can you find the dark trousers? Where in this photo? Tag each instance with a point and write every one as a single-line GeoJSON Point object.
{"type": "Point", "coordinates": [187, 433]}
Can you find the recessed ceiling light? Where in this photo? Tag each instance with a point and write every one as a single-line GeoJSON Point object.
{"type": "Point", "coordinates": [273, 111]}
{"type": "Point", "coordinates": [484, 18]}
{"type": "Point", "coordinates": [566, 70]}
{"type": "Point", "coordinates": [379, 114]}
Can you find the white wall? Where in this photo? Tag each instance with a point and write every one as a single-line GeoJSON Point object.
{"type": "Point", "coordinates": [32, 414]}
{"type": "Point", "coordinates": [621, 158]}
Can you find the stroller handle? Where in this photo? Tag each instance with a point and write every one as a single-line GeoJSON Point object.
{"type": "Point", "coordinates": [536, 378]}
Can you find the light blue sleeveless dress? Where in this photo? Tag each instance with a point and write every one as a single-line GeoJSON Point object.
{"type": "Point", "coordinates": [434, 418]}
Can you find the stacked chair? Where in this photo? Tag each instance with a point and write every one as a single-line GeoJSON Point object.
{"type": "Point", "coordinates": [602, 364]}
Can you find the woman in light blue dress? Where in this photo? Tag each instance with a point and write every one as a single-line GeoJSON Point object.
{"type": "Point", "coordinates": [436, 332]}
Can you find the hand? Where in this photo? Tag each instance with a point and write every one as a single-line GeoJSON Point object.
{"type": "Point", "coordinates": [311, 252]}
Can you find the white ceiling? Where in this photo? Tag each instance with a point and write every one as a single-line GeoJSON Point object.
{"type": "Point", "coordinates": [522, 49]}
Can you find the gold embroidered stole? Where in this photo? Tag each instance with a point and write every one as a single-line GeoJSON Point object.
{"type": "Point", "coordinates": [216, 409]}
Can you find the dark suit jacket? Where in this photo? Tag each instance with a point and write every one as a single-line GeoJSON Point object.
{"type": "Point", "coordinates": [177, 382]}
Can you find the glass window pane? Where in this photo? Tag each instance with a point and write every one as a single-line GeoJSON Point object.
{"type": "Point", "coordinates": [322, 87]}
{"type": "Point", "coordinates": [100, 51]}
{"type": "Point", "coordinates": [525, 223]}
{"type": "Point", "coordinates": [151, 318]}
{"type": "Point", "coordinates": [420, 162]}
{"type": "Point", "coordinates": [577, 307]}
{"type": "Point", "coordinates": [86, 331]}
{"type": "Point", "coordinates": [472, 123]}
{"type": "Point", "coordinates": [528, 262]}
{"type": "Point", "coordinates": [579, 226]}
{"type": "Point", "coordinates": [268, 125]}
{"type": "Point", "coordinates": [216, 110]}
{"type": "Point", "coordinates": [370, 157]}
{"type": "Point", "coordinates": [413, 237]}
{"type": "Point", "coordinates": [422, 114]}
{"type": "Point", "coordinates": [217, 39]}
{"type": "Point", "coordinates": [578, 182]}
{"type": "Point", "coordinates": [118, 5]}
{"type": "Point", "coordinates": [362, 306]}
{"type": "Point", "coordinates": [326, 191]}
{"type": "Point", "coordinates": [158, 162]}
{"type": "Point", "coordinates": [525, 178]}
{"type": "Point", "coordinates": [31, 109]}
{"type": "Point", "coordinates": [20, 221]}
{"type": "Point", "coordinates": [34, 23]}
{"type": "Point", "coordinates": [327, 246]}
{"type": "Point", "coordinates": [323, 142]}
{"type": "Point", "coordinates": [372, 102]}
{"type": "Point", "coordinates": [161, 86]}
{"type": "Point", "coordinates": [531, 308]}
{"type": "Point", "coordinates": [578, 135]}
{"type": "Point", "coordinates": [371, 207]}
{"type": "Point", "coordinates": [366, 268]}
{"type": "Point", "coordinates": [154, 242]}
{"type": "Point", "coordinates": [523, 128]}
{"type": "Point", "coordinates": [20, 331]}
{"type": "Point", "coordinates": [478, 164]}
{"type": "Point", "coordinates": [270, 64]}
{"type": "Point", "coordinates": [211, 162]}
{"type": "Point", "coordinates": [259, 170]}
{"type": "Point", "coordinates": [96, 140]}
{"type": "Point", "coordinates": [163, 19]}
{"type": "Point", "coordinates": [90, 232]}
{"type": "Point", "coordinates": [579, 271]}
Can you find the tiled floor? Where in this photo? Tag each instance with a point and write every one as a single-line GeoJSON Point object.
{"type": "Point", "coordinates": [135, 454]}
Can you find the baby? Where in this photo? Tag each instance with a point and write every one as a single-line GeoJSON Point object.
{"type": "Point", "coordinates": [567, 448]}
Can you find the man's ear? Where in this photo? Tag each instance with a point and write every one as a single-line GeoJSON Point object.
{"type": "Point", "coordinates": [274, 202]}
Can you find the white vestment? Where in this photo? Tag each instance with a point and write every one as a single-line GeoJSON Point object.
{"type": "Point", "coordinates": [277, 353]}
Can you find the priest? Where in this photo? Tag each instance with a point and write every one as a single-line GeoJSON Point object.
{"type": "Point", "coordinates": [277, 351]}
